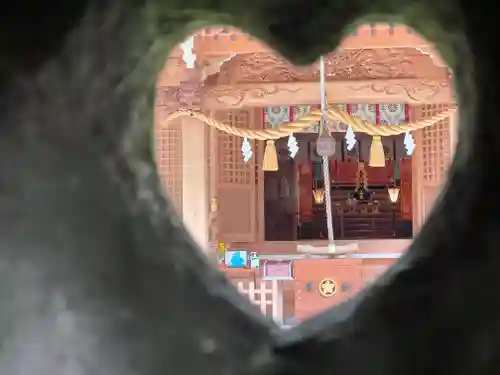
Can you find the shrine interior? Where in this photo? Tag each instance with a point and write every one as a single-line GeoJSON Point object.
{"type": "Point", "coordinates": [294, 212]}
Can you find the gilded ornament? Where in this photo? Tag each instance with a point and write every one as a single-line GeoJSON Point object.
{"type": "Point", "coordinates": [327, 288]}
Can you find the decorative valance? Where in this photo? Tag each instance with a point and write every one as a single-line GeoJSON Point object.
{"type": "Point", "coordinates": [380, 114]}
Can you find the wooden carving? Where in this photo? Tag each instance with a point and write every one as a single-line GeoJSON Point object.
{"type": "Point", "coordinates": [423, 91]}
{"type": "Point", "coordinates": [185, 95]}
{"type": "Point", "coordinates": [341, 65]}
{"type": "Point", "coordinates": [234, 96]}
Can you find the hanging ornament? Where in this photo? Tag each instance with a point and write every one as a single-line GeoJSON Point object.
{"type": "Point", "coordinates": [350, 138]}
{"type": "Point", "coordinates": [293, 147]}
{"type": "Point", "coordinates": [409, 143]}
{"type": "Point", "coordinates": [246, 150]}
{"type": "Point", "coordinates": [270, 160]}
{"type": "Point", "coordinates": [377, 157]}
{"type": "Point", "coordinates": [187, 52]}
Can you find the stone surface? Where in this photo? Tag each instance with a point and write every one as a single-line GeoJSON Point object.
{"type": "Point", "coordinates": [97, 275]}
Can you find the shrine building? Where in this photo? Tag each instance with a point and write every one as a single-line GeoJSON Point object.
{"type": "Point", "coordinates": [383, 74]}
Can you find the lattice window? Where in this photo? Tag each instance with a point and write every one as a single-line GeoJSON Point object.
{"type": "Point", "coordinates": [168, 144]}
{"type": "Point", "coordinates": [233, 169]}
{"type": "Point", "coordinates": [435, 145]}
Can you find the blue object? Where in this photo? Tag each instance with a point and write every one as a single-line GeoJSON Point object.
{"type": "Point", "coordinates": [236, 259]}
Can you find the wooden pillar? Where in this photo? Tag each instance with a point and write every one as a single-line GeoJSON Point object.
{"type": "Point", "coordinates": [195, 181]}
{"type": "Point", "coordinates": [417, 182]}
{"type": "Point", "coordinates": [277, 301]}
{"type": "Point", "coordinates": [179, 87]}
{"type": "Point", "coordinates": [213, 178]}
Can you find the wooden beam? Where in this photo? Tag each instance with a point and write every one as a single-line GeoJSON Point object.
{"type": "Point", "coordinates": [411, 91]}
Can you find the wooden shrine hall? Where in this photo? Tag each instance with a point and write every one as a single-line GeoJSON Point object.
{"type": "Point", "coordinates": [381, 73]}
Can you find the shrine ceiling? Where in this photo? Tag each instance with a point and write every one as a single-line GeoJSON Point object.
{"type": "Point", "coordinates": [363, 64]}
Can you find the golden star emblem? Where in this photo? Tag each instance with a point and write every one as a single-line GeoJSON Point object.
{"type": "Point", "coordinates": [327, 288]}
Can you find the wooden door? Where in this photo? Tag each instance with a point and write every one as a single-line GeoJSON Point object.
{"type": "Point", "coordinates": [237, 186]}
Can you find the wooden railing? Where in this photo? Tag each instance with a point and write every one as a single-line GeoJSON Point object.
{"type": "Point", "coordinates": [366, 220]}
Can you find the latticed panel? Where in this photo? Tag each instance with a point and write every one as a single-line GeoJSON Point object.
{"type": "Point", "coordinates": [435, 145]}
{"type": "Point", "coordinates": [233, 169]}
{"type": "Point", "coordinates": [168, 145]}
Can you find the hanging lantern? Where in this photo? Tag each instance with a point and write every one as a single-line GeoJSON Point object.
{"type": "Point", "coordinates": [318, 195]}
{"type": "Point", "coordinates": [326, 145]}
{"type": "Point", "coordinates": [393, 193]}
{"type": "Point", "coordinates": [377, 157]}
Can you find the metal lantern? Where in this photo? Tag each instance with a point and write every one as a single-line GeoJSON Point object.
{"type": "Point", "coordinates": [319, 195]}
{"type": "Point", "coordinates": [393, 193]}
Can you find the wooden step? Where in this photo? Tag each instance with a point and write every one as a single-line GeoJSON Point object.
{"type": "Point", "coordinates": [368, 234]}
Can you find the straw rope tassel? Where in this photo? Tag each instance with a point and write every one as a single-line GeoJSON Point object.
{"type": "Point", "coordinates": [270, 161]}
{"type": "Point", "coordinates": [377, 157]}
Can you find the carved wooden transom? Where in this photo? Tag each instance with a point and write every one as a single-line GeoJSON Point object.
{"type": "Point", "coordinates": [341, 65]}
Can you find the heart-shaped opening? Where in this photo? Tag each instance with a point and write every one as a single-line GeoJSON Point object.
{"type": "Point", "coordinates": [302, 201]}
